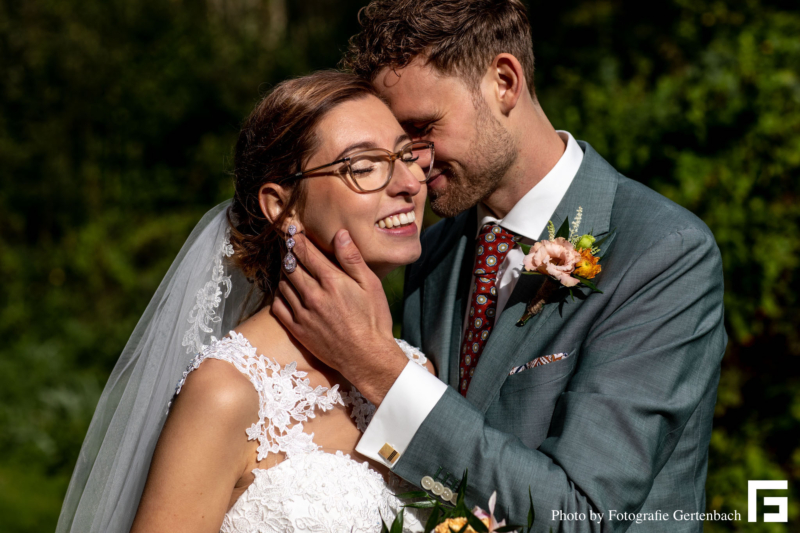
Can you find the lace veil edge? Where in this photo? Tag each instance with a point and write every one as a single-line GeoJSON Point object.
{"type": "Point", "coordinates": [200, 296]}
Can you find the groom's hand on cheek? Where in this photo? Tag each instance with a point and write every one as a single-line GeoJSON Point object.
{"type": "Point", "coordinates": [341, 315]}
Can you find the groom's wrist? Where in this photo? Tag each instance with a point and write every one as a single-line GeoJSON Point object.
{"type": "Point", "coordinates": [374, 373]}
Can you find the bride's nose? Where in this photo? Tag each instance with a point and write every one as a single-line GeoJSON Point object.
{"type": "Point", "coordinates": [404, 180]}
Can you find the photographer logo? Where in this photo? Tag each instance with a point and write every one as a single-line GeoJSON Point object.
{"type": "Point", "coordinates": [753, 486]}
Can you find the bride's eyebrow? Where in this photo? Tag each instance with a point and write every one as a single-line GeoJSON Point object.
{"type": "Point", "coordinates": [363, 145]}
{"type": "Point", "coordinates": [400, 138]}
{"type": "Point", "coordinates": [366, 145]}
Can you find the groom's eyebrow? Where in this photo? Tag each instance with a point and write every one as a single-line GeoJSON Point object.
{"type": "Point", "coordinates": [413, 122]}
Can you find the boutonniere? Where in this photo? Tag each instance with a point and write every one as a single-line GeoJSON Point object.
{"type": "Point", "coordinates": [568, 259]}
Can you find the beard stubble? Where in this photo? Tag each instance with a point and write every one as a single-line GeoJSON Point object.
{"type": "Point", "coordinates": [493, 152]}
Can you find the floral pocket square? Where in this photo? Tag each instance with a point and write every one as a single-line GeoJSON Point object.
{"type": "Point", "coordinates": [539, 361]}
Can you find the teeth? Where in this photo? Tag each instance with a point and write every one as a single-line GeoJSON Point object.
{"type": "Point", "coordinates": [397, 220]}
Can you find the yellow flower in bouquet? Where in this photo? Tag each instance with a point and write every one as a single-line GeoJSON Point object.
{"type": "Point", "coordinates": [587, 266]}
{"type": "Point", "coordinates": [456, 524]}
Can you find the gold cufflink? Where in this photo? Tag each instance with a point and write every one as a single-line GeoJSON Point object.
{"type": "Point", "coordinates": [389, 453]}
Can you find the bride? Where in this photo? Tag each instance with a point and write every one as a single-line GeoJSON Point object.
{"type": "Point", "coordinates": [260, 435]}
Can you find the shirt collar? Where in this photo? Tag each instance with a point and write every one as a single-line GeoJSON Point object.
{"type": "Point", "coordinates": [532, 212]}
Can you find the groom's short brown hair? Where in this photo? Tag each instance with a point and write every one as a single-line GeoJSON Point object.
{"type": "Point", "coordinates": [457, 37]}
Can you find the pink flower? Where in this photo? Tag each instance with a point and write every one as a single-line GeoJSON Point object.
{"type": "Point", "coordinates": [483, 516]}
{"type": "Point", "coordinates": [556, 258]}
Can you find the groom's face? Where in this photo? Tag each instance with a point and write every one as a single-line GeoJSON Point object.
{"type": "Point", "coordinates": [473, 151]}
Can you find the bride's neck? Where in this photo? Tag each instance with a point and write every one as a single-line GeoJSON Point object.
{"type": "Point", "coordinates": [272, 339]}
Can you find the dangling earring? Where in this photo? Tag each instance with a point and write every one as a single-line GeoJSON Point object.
{"type": "Point", "coordinates": [290, 261]}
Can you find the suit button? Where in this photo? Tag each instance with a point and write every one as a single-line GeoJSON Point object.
{"type": "Point", "coordinates": [438, 488]}
{"type": "Point", "coordinates": [447, 494]}
{"type": "Point", "coordinates": [427, 482]}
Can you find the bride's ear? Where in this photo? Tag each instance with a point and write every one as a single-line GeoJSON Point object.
{"type": "Point", "coordinates": [273, 199]}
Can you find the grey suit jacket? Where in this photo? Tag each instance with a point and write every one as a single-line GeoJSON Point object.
{"type": "Point", "coordinates": [623, 423]}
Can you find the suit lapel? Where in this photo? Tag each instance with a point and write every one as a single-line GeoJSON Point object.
{"type": "Point", "coordinates": [593, 188]}
{"type": "Point", "coordinates": [464, 275]}
{"type": "Point", "coordinates": [443, 297]}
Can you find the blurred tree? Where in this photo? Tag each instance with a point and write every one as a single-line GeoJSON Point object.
{"type": "Point", "coordinates": [117, 121]}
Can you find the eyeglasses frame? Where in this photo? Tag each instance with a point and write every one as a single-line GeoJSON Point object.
{"type": "Point", "coordinates": [393, 156]}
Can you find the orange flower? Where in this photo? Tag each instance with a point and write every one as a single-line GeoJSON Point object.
{"type": "Point", "coordinates": [587, 266]}
{"type": "Point", "coordinates": [456, 524]}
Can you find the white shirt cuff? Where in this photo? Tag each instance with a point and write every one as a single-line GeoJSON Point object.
{"type": "Point", "coordinates": [406, 406]}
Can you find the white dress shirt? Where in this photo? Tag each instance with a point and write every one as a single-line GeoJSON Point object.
{"type": "Point", "coordinates": [415, 392]}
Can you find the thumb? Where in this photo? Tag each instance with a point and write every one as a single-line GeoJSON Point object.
{"type": "Point", "coordinates": [349, 257]}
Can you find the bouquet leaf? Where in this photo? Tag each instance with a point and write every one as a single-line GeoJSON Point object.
{"type": "Point", "coordinates": [413, 494]}
{"type": "Point", "coordinates": [476, 524]}
{"type": "Point", "coordinates": [563, 231]}
{"type": "Point", "coordinates": [433, 519]}
{"type": "Point", "coordinates": [421, 505]}
{"type": "Point", "coordinates": [526, 248]}
{"type": "Point", "coordinates": [531, 512]}
{"type": "Point", "coordinates": [462, 489]}
{"type": "Point", "coordinates": [397, 525]}
{"type": "Point", "coordinates": [588, 284]}
{"type": "Point", "coordinates": [604, 239]}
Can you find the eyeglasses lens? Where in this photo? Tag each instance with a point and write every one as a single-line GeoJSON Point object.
{"type": "Point", "coordinates": [370, 170]}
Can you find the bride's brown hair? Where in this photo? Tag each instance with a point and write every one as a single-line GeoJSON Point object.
{"type": "Point", "coordinates": [276, 140]}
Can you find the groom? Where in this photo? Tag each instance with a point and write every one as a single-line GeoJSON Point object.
{"type": "Point", "coordinates": [601, 405]}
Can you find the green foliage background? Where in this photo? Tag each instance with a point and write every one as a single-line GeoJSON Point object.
{"type": "Point", "coordinates": [117, 120]}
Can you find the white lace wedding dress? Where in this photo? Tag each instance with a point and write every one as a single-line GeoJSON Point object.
{"type": "Point", "coordinates": [310, 490]}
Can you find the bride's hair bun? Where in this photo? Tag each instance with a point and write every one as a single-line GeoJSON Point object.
{"type": "Point", "coordinates": [276, 140]}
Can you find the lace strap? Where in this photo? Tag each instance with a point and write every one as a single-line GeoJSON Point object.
{"type": "Point", "coordinates": [286, 399]}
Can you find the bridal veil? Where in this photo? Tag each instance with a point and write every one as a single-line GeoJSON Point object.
{"type": "Point", "coordinates": [199, 297]}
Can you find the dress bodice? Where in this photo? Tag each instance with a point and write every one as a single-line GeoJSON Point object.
{"type": "Point", "coordinates": [310, 490]}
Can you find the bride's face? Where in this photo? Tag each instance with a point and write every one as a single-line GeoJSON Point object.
{"type": "Point", "coordinates": [331, 204]}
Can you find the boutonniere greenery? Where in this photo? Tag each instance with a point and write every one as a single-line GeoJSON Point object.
{"type": "Point", "coordinates": [568, 259]}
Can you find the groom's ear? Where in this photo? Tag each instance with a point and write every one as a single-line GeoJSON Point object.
{"type": "Point", "coordinates": [507, 80]}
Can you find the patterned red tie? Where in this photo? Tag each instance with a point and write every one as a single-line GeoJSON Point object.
{"type": "Point", "coordinates": [494, 243]}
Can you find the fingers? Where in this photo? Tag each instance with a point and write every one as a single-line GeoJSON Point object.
{"type": "Point", "coordinates": [283, 312]}
{"type": "Point", "coordinates": [290, 297]}
{"type": "Point", "coordinates": [350, 259]}
{"type": "Point", "coordinates": [314, 261]}
{"type": "Point", "coordinates": [300, 278]}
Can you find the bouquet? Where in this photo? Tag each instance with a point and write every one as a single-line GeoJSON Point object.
{"type": "Point", "coordinates": [445, 518]}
